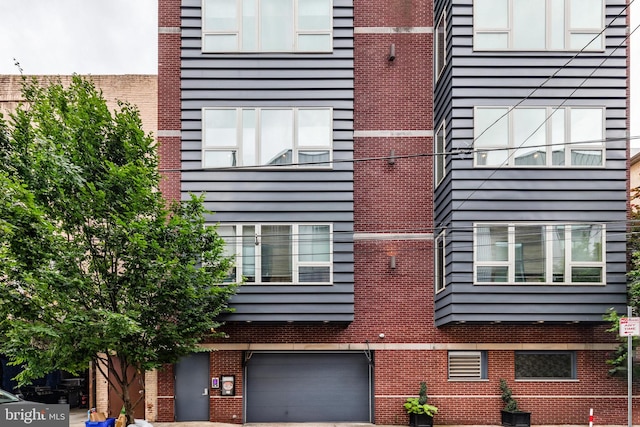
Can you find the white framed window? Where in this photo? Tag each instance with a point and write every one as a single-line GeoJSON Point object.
{"type": "Point", "coordinates": [440, 262]}
{"type": "Point", "coordinates": [267, 137]}
{"type": "Point", "coordinates": [539, 136]}
{"type": "Point", "coordinates": [539, 253]}
{"type": "Point", "coordinates": [267, 26]}
{"type": "Point", "coordinates": [440, 46]}
{"type": "Point", "coordinates": [538, 25]}
{"type": "Point", "coordinates": [467, 365]}
{"type": "Point", "coordinates": [280, 253]}
{"type": "Point", "coordinates": [545, 365]}
{"type": "Point", "coordinates": [439, 156]}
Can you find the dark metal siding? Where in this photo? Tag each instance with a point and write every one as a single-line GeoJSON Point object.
{"type": "Point", "coordinates": [470, 195]}
{"type": "Point", "coordinates": [277, 196]}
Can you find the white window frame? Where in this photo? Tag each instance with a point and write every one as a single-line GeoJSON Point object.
{"type": "Point", "coordinates": [597, 143]}
{"type": "Point", "coordinates": [439, 158]}
{"type": "Point", "coordinates": [236, 248]}
{"type": "Point", "coordinates": [596, 44]}
{"type": "Point", "coordinates": [467, 365]}
{"type": "Point", "coordinates": [510, 263]}
{"type": "Point", "coordinates": [238, 32]}
{"type": "Point", "coordinates": [297, 149]}
{"type": "Point", "coordinates": [439, 264]}
{"type": "Point", "coordinates": [440, 55]}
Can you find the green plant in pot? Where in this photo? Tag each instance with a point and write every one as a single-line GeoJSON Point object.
{"type": "Point", "coordinates": [420, 412]}
{"type": "Point", "coordinates": [511, 415]}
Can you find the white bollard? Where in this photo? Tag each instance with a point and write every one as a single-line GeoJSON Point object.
{"type": "Point", "coordinates": [591, 417]}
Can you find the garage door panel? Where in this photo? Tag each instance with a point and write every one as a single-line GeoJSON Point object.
{"type": "Point", "coordinates": [308, 387]}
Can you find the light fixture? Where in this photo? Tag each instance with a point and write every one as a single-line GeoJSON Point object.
{"type": "Point", "coordinates": [392, 262]}
{"type": "Point", "coordinates": [392, 52]}
{"type": "Point", "coordinates": [392, 157]}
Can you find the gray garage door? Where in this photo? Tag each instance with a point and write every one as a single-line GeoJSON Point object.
{"type": "Point", "coordinates": [308, 387]}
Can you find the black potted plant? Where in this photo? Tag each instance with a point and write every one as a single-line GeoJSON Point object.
{"type": "Point", "coordinates": [420, 412]}
{"type": "Point", "coordinates": [512, 416]}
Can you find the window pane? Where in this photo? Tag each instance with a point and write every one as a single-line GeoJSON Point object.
{"type": "Point", "coordinates": [220, 42]}
{"type": "Point", "coordinates": [220, 158]}
{"type": "Point", "coordinates": [586, 157]}
{"type": "Point", "coordinates": [557, 24]}
{"type": "Point", "coordinates": [586, 125]}
{"type": "Point", "coordinates": [529, 131]}
{"type": "Point", "coordinates": [316, 158]}
{"type": "Point", "coordinates": [228, 234]}
{"type": "Point", "coordinates": [276, 137]}
{"type": "Point", "coordinates": [492, 158]}
{"type": "Point", "coordinates": [276, 25]}
{"type": "Point", "coordinates": [530, 255]}
{"type": "Point", "coordinates": [586, 243]}
{"type": "Point", "coordinates": [491, 243]}
{"type": "Point", "coordinates": [490, 14]}
{"type": "Point", "coordinates": [439, 155]}
{"type": "Point", "coordinates": [249, 253]}
{"type": "Point", "coordinates": [314, 15]}
{"type": "Point", "coordinates": [220, 128]}
{"type": "Point", "coordinates": [314, 42]}
{"type": "Point", "coordinates": [544, 365]}
{"type": "Point", "coordinates": [491, 127]}
{"type": "Point", "coordinates": [439, 263]}
{"type": "Point", "coordinates": [589, 41]}
{"type": "Point", "coordinates": [314, 274]}
{"type": "Point", "coordinates": [221, 15]}
{"type": "Point", "coordinates": [558, 137]}
{"type": "Point", "coordinates": [586, 274]}
{"type": "Point", "coordinates": [492, 274]}
{"type": "Point", "coordinates": [249, 26]}
{"type": "Point", "coordinates": [491, 41]}
{"type": "Point", "coordinates": [586, 14]}
{"type": "Point", "coordinates": [276, 253]}
{"type": "Point", "coordinates": [314, 128]}
{"type": "Point", "coordinates": [313, 243]}
{"type": "Point", "coordinates": [559, 255]}
{"type": "Point", "coordinates": [249, 137]}
{"type": "Point", "coordinates": [529, 28]}
{"type": "Point", "coordinates": [439, 46]}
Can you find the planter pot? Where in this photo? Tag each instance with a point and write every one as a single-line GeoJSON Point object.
{"type": "Point", "coordinates": [516, 419]}
{"type": "Point", "coordinates": [420, 420]}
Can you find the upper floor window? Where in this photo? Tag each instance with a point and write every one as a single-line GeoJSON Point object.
{"type": "Point", "coordinates": [569, 25]}
{"type": "Point", "coordinates": [439, 155]}
{"type": "Point", "coordinates": [539, 254]}
{"type": "Point", "coordinates": [280, 253]}
{"type": "Point", "coordinates": [267, 137]}
{"type": "Point", "coordinates": [440, 262]}
{"type": "Point", "coordinates": [440, 46]}
{"type": "Point", "coordinates": [267, 26]}
{"type": "Point", "coordinates": [539, 136]}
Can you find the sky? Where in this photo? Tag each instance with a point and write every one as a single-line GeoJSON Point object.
{"type": "Point", "coordinates": [120, 37]}
{"type": "Point", "coordinates": [79, 36]}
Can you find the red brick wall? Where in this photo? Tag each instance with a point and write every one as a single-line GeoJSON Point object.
{"type": "Point", "coordinates": [165, 394]}
{"type": "Point", "coordinates": [227, 409]}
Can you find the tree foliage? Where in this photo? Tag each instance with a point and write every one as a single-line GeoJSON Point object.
{"type": "Point", "coordinates": [93, 261]}
{"type": "Point", "coordinates": [618, 359]}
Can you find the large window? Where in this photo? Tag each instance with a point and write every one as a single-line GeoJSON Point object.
{"type": "Point", "coordinates": [440, 262]}
{"type": "Point", "coordinates": [439, 156]}
{"type": "Point", "coordinates": [440, 46]}
{"type": "Point", "coordinates": [467, 365]}
{"type": "Point", "coordinates": [280, 253]}
{"type": "Point", "coordinates": [266, 136]}
{"type": "Point", "coordinates": [545, 365]}
{"type": "Point", "coordinates": [267, 25]}
{"type": "Point", "coordinates": [569, 25]}
{"type": "Point", "coordinates": [539, 136]}
{"type": "Point", "coordinates": [544, 254]}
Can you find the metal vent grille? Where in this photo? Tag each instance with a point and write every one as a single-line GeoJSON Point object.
{"type": "Point", "coordinates": [465, 364]}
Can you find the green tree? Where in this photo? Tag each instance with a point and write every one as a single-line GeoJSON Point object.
{"type": "Point", "coordinates": [618, 359]}
{"type": "Point", "coordinates": [93, 261]}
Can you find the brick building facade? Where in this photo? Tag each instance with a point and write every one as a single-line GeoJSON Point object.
{"type": "Point", "coordinates": [385, 213]}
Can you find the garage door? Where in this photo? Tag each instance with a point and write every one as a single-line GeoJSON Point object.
{"type": "Point", "coordinates": [308, 387]}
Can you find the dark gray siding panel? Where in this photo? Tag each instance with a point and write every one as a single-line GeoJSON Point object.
{"type": "Point", "coordinates": [469, 195]}
{"type": "Point", "coordinates": [276, 195]}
